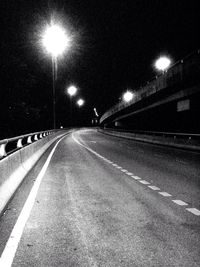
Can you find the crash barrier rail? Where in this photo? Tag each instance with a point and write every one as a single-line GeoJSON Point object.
{"type": "Point", "coordinates": [190, 141]}
{"type": "Point", "coordinates": [182, 71]}
{"type": "Point", "coordinates": [8, 146]}
{"type": "Point", "coordinates": [175, 135]}
{"type": "Point", "coordinates": [18, 157]}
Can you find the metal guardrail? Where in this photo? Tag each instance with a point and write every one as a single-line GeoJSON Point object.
{"type": "Point", "coordinates": [181, 71]}
{"type": "Point", "coordinates": [175, 135]}
{"type": "Point", "coordinates": [8, 146]}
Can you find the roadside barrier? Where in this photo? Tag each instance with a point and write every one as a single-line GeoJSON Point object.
{"type": "Point", "coordinates": [8, 146]}
{"type": "Point", "coordinates": [18, 155]}
{"type": "Point", "coordinates": [186, 141]}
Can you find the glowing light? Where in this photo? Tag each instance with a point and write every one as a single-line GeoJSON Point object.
{"type": "Point", "coordinates": [163, 63]}
{"type": "Point", "coordinates": [55, 40]}
{"type": "Point", "coordinates": [72, 90]}
{"type": "Point", "coordinates": [95, 111]}
{"type": "Point", "coordinates": [80, 102]}
{"type": "Point", "coordinates": [128, 96]}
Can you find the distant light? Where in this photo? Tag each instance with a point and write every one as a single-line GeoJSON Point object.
{"type": "Point", "coordinates": [55, 40]}
{"type": "Point", "coordinates": [61, 127]}
{"type": "Point", "coordinates": [95, 111]}
{"type": "Point", "coordinates": [163, 63]}
{"type": "Point", "coordinates": [128, 96]}
{"type": "Point", "coordinates": [72, 90]}
{"type": "Point", "coordinates": [80, 102]}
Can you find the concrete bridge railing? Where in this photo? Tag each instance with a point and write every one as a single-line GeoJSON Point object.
{"type": "Point", "coordinates": [8, 146]}
{"type": "Point", "coordinates": [18, 155]}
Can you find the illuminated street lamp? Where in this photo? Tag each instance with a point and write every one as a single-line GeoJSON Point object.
{"type": "Point", "coordinates": [127, 96]}
{"type": "Point", "coordinates": [56, 41]}
{"type": "Point", "coordinates": [162, 63]}
{"type": "Point", "coordinates": [80, 102]}
{"type": "Point", "coordinates": [72, 90]}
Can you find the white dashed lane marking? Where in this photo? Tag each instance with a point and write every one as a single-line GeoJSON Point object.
{"type": "Point", "coordinates": [135, 177]}
{"type": "Point", "coordinates": [194, 211]}
{"type": "Point", "coordinates": [179, 202]}
{"type": "Point", "coordinates": [165, 194]}
{"type": "Point", "coordinates": [153, 187]}
{"type": "Point", "coordinates": [144, 182]}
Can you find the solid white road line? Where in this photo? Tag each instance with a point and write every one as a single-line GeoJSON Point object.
{"type": "Point", "coordinates": [179, 202]}
{"type": "Point", "coordinates": [10, 249]}
{"type": "Point", "coordinates": [165, 194]}
{"type": "Point", "coordinates": [153, 187]}
{"type": "Point", "coordinates": [194, 211]}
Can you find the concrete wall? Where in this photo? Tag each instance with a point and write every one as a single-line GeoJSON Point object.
{"type": "Point", "coordinates": [15, 167]}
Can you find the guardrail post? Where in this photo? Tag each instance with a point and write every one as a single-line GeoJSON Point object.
{"type": "Point", "coordinates": [19, 143]}
{"type": "Point", "coordinates": [29, 141]}
{"type": "Point", "coordinates": [3, 150]}
{"type": "Point", "coordinates": [35, 137]}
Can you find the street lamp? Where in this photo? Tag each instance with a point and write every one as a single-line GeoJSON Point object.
{"type": "Point", "coordinates": [56, 41]}
{"type": "Point", "coordinates": [72, 90]}
{"type": "Point", "coordinates": [80, 102]}
{"type": "Point", "coordinates": [127, 96]}
{"type": "Point", "coordinates": [162, 63]}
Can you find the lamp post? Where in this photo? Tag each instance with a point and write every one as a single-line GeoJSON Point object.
{"type": "Point", "coordinates": [56, 41]}
{"type": "Point", "coordinates": [71, 90]}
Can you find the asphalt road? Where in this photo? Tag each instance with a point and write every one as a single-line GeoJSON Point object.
{"type": "Point", "coordinates": [97, 200]}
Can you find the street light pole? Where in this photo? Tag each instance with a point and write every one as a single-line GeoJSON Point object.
{"type": "Point", "coordinates": [56, 41]}
{"type": "Point", "coordinates": [71, 90]}
{"type": "Point", "coordinates": [54, 76]}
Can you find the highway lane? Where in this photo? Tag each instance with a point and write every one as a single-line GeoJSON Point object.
{"type": "Point", "coordinates": [106, 201]}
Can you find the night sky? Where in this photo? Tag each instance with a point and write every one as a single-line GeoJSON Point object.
{"type": "Point", "coordinates": [115, 43]}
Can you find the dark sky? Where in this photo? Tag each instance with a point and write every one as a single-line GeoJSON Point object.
{"type": "Point", "coordinates": [115, 45]}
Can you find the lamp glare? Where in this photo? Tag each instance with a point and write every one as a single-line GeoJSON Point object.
{"type": "Point", "coordinates": [128, 96]}
{"type": "Point", "coordinates": [163, 63]}
{"type": "Point", "coordinates": [55, 40]}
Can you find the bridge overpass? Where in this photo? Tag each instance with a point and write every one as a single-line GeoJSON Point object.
{"type": "Point", "coordinates": [169, 102]}
{"type": "Point", "coordinates": [78, 197]}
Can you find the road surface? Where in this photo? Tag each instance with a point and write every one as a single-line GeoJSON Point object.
{"type": "Point", "coordinates": [97, 200]}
